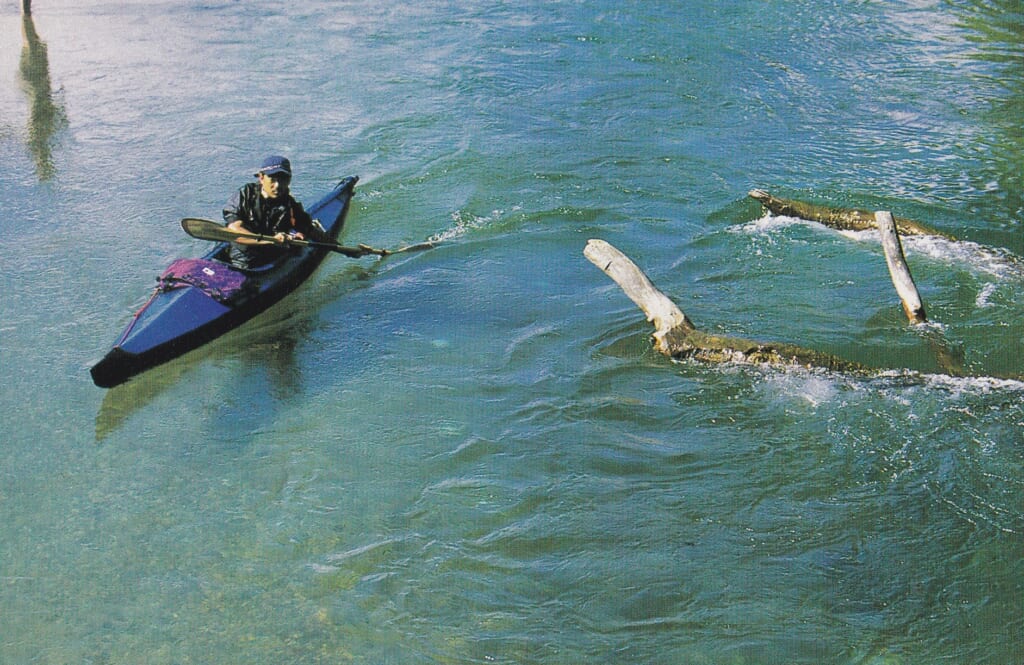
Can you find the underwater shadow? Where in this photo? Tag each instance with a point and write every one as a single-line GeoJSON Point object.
{"type": "Point", "coordinates": [270, 341]}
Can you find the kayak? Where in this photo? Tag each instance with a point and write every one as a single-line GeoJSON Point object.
{"type": "Point", "coordinates": [197, 300]}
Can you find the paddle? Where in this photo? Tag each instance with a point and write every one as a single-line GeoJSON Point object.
{"type": "Point", "coordinates": [205, 229]}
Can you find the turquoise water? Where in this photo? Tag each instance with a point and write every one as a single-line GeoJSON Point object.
{"type": "Point", "coordinates": [472, 454]}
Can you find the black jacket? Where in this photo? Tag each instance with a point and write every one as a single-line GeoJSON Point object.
{"type": "Point", "coordinates": [266, 217]}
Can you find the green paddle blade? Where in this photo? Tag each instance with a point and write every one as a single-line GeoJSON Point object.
{"type": "Point", "coordinates": [205, 229]}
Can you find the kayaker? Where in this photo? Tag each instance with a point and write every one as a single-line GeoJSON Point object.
{"type": "Point", "coordinates": [267, 207]}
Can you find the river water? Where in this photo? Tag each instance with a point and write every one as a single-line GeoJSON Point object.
{"type": "Point", "coordinates": [472, 454]}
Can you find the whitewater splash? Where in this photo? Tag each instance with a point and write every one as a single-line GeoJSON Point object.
{"type": "Point", "coordinates": [463, 223]}
{"type": "Point", "coordinates": [815, 386]}
{"type": "Point", "coordinates": [770, 223]}
{"type": "Point", "coordinates": [991, 261]}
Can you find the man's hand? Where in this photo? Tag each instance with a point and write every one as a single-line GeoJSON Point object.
{"type": "Point", "coordinates": [283, 238]}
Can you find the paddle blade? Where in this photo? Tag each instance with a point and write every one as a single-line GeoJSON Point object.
{"type": "Point", "coordinates": [430, 244]}
{"type": "Point", "coordinates": [205, 229]}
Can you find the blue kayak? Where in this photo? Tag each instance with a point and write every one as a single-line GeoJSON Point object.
{"type": "Point", "coordinates": [198, 300]}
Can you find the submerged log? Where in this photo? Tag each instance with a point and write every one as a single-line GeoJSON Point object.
{"type": "Point", "coordinates": [898, 270]}
{"type": "Point", "coordinates": [676, 336]}
{"type": "Point", "coordinates": [843, 219]}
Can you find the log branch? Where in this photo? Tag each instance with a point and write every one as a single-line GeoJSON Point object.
{"type": "Point", "coordinates": [843, 219]}
{"type": "Point", "coordinates": [898, 270]}
{"type": "Point", "coordinates": [660, 310]}
{"type": "Point", "coordinates": [949, 360]}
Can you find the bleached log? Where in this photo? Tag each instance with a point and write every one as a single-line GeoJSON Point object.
{"type": "Point", "coordinates": [658, 307]}
{"type": "Point", "coordinates": [676, 336]}
{"type": "Point", "coordinates": [898, 269]}
{"type": "Point", "coordinates": [843, 219]}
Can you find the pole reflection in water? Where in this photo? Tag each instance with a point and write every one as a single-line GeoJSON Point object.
{"type": "Point", "coordinates": [46, 117]}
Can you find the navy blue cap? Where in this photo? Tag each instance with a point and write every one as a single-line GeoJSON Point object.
{"type": "Point", "coordinates": [275, 164]}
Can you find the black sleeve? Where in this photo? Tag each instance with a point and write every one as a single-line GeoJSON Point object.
{"type": "Point", "coordinates": [233, 209]}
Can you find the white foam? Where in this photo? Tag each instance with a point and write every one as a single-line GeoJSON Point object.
{"type": "Point", "coordinates": [964, 253]}
{"type": "Point", "coordinates": [957, 386]}
{"type": "Point", "coordinates": [462, 223]}
{"type": "Point", "coordinates": [767, 224]}
{"type": "Point", "coordinates": [812, 389]}
{"type": "Point", "coordinates": [974, 385]}
{"type": "Point", "coordinates": [983, 296]}
{"type": "Point", "coordinates": [996, 262]}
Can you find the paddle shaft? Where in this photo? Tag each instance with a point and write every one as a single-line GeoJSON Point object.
{"type": "Point", "coordinates": [205, 229]}
{"type": "Point", "coordinates": [353, 252]}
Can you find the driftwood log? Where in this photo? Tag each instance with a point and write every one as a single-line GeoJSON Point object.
{"type": "Point", "coordinates": [843, 219]}
{"type": "Point", "coordinates": [676, 336]}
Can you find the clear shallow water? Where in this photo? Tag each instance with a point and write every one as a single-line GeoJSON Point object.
{"type": "Point", "coordinates": [472, 454]}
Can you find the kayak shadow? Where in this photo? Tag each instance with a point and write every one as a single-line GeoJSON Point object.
{"type": "Point", "coordinates": [270, 340]}
{"type": "Point", "coordinates": [121, 402]}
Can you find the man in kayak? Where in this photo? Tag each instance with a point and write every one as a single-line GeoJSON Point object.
{"type": "Point", "coordinates": [266, 207]}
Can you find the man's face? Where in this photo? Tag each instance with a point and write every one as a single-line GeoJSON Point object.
{"type": "Point", "coordinates": [274, 185]}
